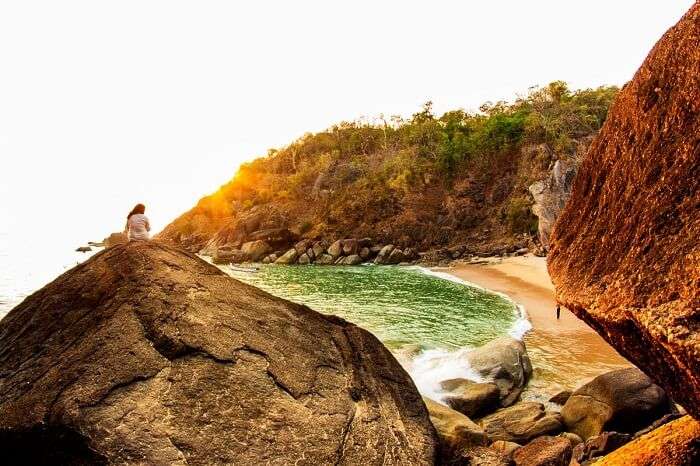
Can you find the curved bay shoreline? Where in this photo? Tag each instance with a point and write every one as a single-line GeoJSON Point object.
{"type": "Point", "coordinates": [564, 346]}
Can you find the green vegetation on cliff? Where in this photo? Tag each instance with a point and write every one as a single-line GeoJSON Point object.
{"type": "Point", "coordinates": [425, 181]}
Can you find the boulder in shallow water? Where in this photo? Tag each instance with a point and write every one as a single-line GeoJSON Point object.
{"type": "Point", "coordinates": [319, 247]}
{"type": "Point", "coordinates": [304, 259]}
{"type": "Point", "coordinates": [352, 260]}
{"type": "Point", "coordinates": [302, 246]}
{"type": "Point", "coordinates": [624, 253]}
{"type": "Point", "coordinates": [506, 362]}
{"type": "Point", "coordinates": [83, 249]}
{"type": "Point", "coordinates": [336, 249]}
{"type": "Point", "coordinates": [289, 257]}
{"type": "Point", "coordinates": [521, 422]}
{"type": "Point", "coordinates": [623, 400]}
{"type": "Point", "coordinates": [256, 250]}
{"type": "Point", "coordinates": [544, 451]}
{"type": "Point", "coordinates": [383, 254]}
{"type": "Point", "coordinates": [229, 255]}
{"type": "Point", "coordinates": [145, 354]}
{"type": "Point", "coordinates": [396, 257]}
{"type": "Point", "coordinates": [365, 253]}
{"type": "Point", "coordinates": [350, 247]}
{"type": "Point", "coordinates": [325, 259]}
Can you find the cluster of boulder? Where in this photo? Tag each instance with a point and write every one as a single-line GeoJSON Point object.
{"type": "Point", "coordinates": [486, 423]}
{"type": "Point", "coordinates": [349, 251]}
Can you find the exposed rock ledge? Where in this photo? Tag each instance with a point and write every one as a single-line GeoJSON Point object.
{"type": "Point", "coordinates": [624, 253]}
{"type": "Point", "coordinates": [145, 354]}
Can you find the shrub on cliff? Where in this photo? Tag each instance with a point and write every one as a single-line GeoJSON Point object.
{"type": "Point", "coordinates": [428, 175]}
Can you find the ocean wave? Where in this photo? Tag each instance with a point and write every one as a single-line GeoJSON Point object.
{"type": "Point", "coordinates": [433, 366]}
{"type": "Point", "coordinates": [522, 324]}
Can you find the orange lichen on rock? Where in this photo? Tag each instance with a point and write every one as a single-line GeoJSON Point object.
{"type": "Point", "coordinates": [674, 444]}
{"type": "Point", "coordinates": [625, 253]}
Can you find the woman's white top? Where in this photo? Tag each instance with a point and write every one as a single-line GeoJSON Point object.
{"type": "Point", "coordinates": [137, 227]}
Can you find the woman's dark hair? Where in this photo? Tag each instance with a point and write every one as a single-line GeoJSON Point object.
{"type": "Point", "coordinates": [138, 209]}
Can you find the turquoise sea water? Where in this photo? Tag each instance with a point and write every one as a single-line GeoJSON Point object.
{"type": "Point", "coordinates": [400, 305]}
{"type": "Point", "coordinates": [428, 320]}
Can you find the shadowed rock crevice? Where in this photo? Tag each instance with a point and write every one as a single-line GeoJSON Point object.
{"type": "Point", "coordinates": [48, 445]}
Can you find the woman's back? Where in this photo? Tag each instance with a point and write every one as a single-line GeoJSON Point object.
{"type": "Point", "coordinates": [138, 227]}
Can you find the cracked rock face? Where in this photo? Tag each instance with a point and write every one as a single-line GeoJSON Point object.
{"type": "Point", "coordinates": [147, 354]}
{"type": "Point", "coordinates": [550, 196]}
{"type": "Point", "coordinates": [624, 254]}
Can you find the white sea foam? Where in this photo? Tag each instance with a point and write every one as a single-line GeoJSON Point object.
{"type": "Point", "coordinates": [433, 366]}
{"type": "Point", "coordinates": [522, 325]}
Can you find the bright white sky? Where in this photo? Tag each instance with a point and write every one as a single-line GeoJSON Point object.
{"type": "Point", "coordinates": [105, 104]}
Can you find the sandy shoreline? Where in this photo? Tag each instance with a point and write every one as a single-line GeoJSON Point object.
{"type": "Point", "coordinates": [565, 352]}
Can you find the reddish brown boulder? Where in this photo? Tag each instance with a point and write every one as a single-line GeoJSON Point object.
{"type": "Point", "coordinates": [624, 253]}
{"type": "Point", "coordinates": [674, 444]}
{"type": "Point", "coordinates": [544, 451]}
{"type": "Point", "coordinates": [145, 354]}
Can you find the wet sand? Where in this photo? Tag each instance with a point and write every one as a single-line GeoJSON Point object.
{"type": "Point", "coordinates": [565, 353]}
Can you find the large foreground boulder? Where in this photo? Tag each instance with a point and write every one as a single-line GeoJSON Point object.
{"type": "Point", "coordinates": [624, 400]}
{"type": "Point", "coordinates": [146, 354]}
{"type": "Point", "coordinates": [624, 253]}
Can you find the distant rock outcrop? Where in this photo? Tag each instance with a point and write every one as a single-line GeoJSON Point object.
{"type": "Point", "coordinates": [550, 197]}
{"type": "Point", "coordinates": [115, 239]}
{"type": "Point", "coordinates": [624, 254]}
{"type": "Point", "coordinates": [146, 354]}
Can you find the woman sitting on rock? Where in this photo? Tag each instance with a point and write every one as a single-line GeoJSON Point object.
{"type": "Point", "coordinates": [137, 226]}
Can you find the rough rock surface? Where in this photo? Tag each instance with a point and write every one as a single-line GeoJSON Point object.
{"type": "Point", "coordinates": [457, 433]}
{"type": "Point", "coordinates": [599, 445]}
{"type": "Point", "coordinates": [674, 444]}
{"type": "Point", "coordinates": [146, 354]}
{"type": "Point", "coordinates": [256, 249]}
{"type": "Point", "coordinates": [507, 448]}
{"type": "Point", "coordinates": [115, 239]}
{"type": "Point", "coordinates": [544, 451]}
{"type": "Point", "coordinates": [550, 196]}
{"type": "Point", "coordinates": [521, 422]}
{"type": "Point", "coordinates": [506, 362]}
{"type": "Point", "coordinates": [624, 253]}
{"type": "Point", "coordinates": [289, 257]}
{"type": "Point", "coordinates": [623, 400]}
{"type": "Point", "coordinates": [474, 399]}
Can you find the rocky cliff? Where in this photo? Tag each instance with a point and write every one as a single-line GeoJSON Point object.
{"type": "Point", "coordinates": [145, 354]}
{"type": "Point", "coordinates": [457, 181]}
{"type": "Point", "coordinates": [625, 253]}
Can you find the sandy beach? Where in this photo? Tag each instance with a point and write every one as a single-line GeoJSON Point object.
{"type": "Point", "coordinates": [566, 345]}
